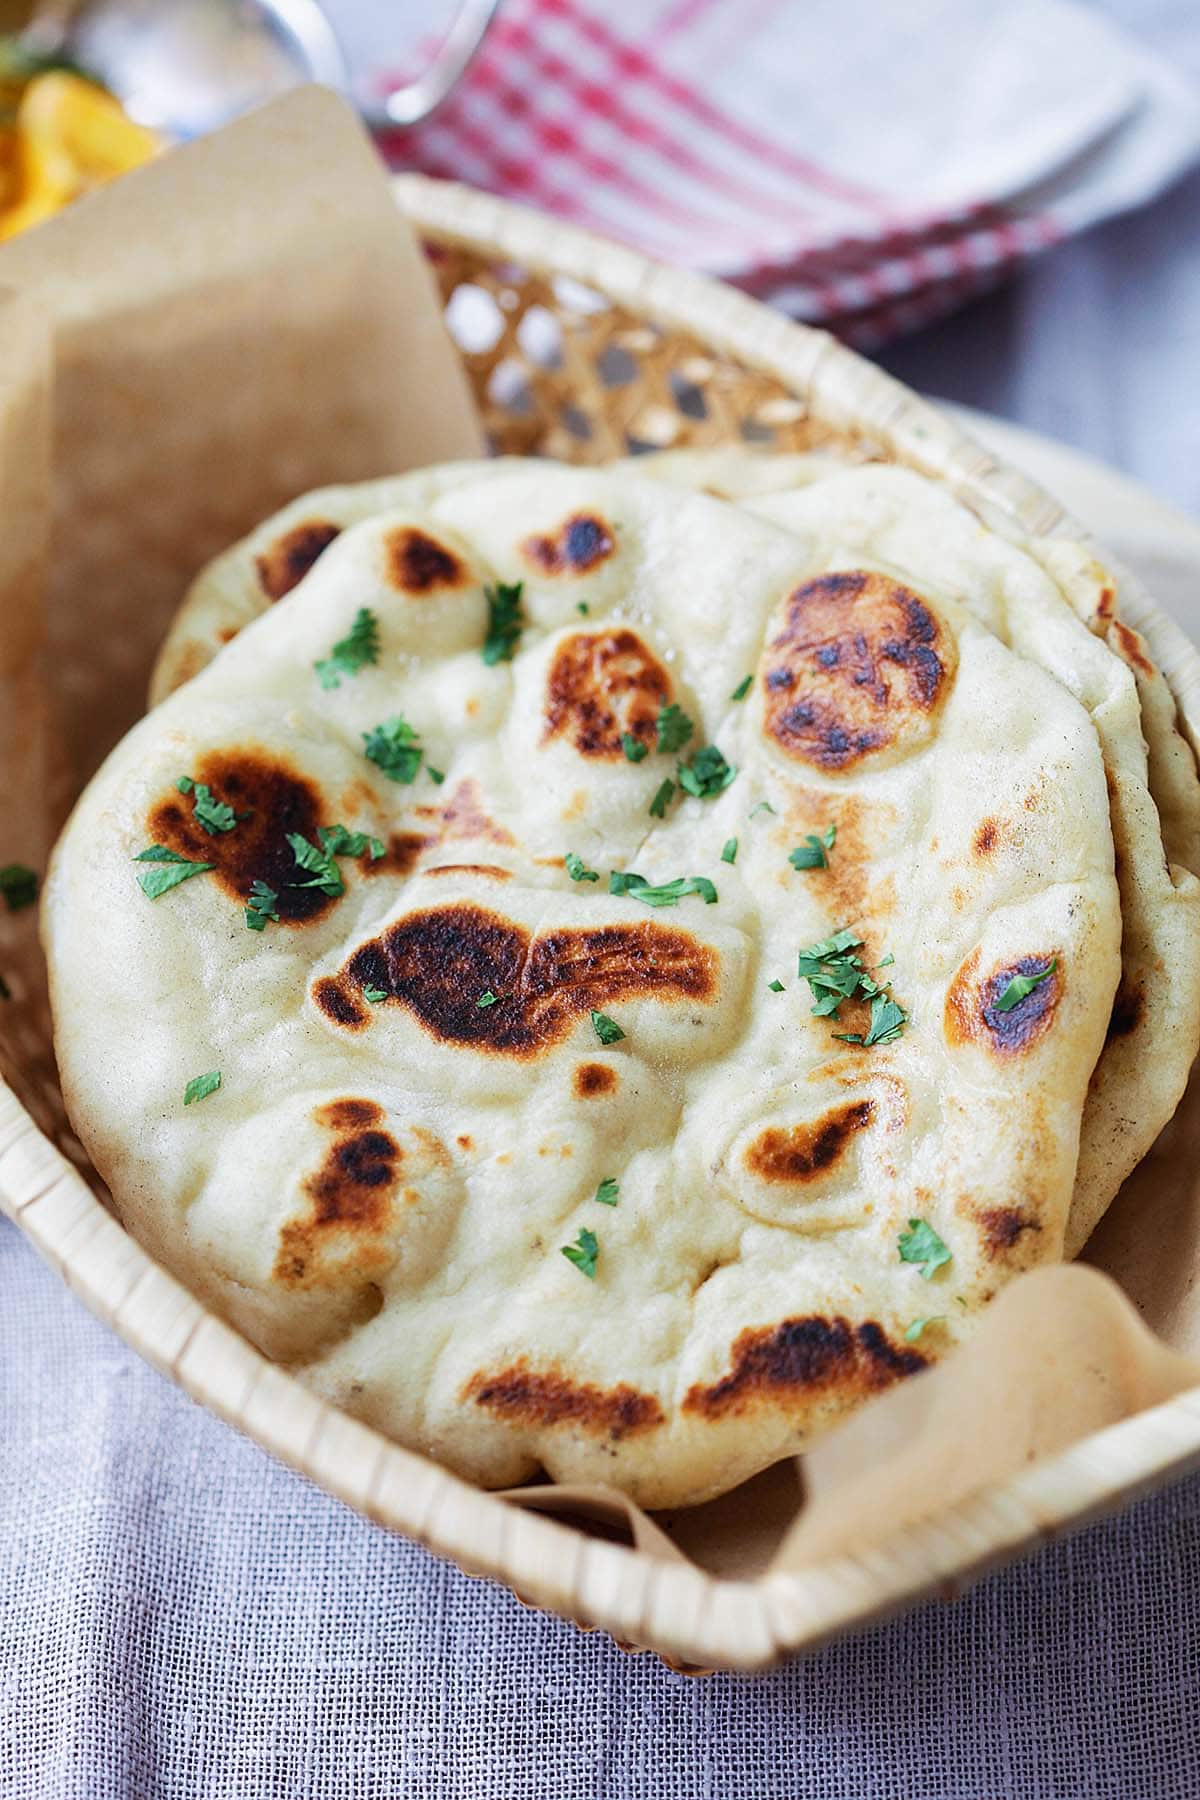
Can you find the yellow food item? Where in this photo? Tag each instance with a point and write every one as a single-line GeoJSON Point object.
{"type": "Point", "coordinates": [67, 136]}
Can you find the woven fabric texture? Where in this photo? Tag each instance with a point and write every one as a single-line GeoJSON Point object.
{"type": "Point", "coordinates": [184, 1618]}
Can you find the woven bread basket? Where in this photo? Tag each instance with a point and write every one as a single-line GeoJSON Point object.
{"type": "Point", "coordinates": [583, 350]}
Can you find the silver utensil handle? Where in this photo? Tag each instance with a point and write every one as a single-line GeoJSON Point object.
{"type": "Point", "coordinates": [415, 101]}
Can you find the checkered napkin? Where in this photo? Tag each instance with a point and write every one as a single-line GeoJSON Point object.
{"type": "Point", "coordinates": [866, 164]}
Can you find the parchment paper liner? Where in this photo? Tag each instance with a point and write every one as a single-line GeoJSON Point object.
{"type": "Point", "coordinates": [245, 320]}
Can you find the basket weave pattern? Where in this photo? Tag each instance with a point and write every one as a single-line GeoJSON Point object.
{"type": "Point", "coordinates": [581, 350]}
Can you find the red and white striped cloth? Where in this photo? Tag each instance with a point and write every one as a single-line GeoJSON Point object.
{"type": "Point", "coordinates": [867, 164]}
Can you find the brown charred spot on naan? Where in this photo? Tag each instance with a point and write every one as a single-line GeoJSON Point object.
{"type": "Point", "coordinates": [1106, 603]}
{"type": "Point", "coordinates": [226, 634]}
{"type": "Point", "coordinates": [539, 1398]}
{"type": "Point", "coordinates": [492, 871]}
{"type": "Point", "coordinates": [972, 1015]}
{"type": "Point", "coordinates": [438, 961]}
{"type": "Point", "coordinates": [462, 815]}
{"type": "Point", "coordinates": [1002, 1227]}
{"type": "Point", "coordinates": [769, 1363]}
{"type": "Point", "coordinates": [401, 854]}
{"type": "Point", "coordinates": [1128, 1008]}
{"type": "Point", "coordinates": [860, 667]}
{"type": "Point", "coordinates": [272, 798]}
{"type": "Point", "coordinates": [986, 838]}
{"type": "Point", "coordinates": [798, 1153]}
{"type": "Point", "coordinates": [593, 1079]}
{"type": "Point", "coordinates": [580, 543]}
{"type": "Point", "coordinates": [350, 1196]}
{"type": "Point", "coordinates": [340, 1002]}
{"type": "Point", "coordinates": [284, 564]}
{"type": "Point", "coordinates": [417, 564]}
{"type": "Point", "coordinates": [1131, 647]}
{"type": "Point", "coordinates": [602, 684]}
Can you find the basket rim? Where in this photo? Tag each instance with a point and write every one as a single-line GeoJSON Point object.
{"type": "Point", "coordinates": [679, 1610]}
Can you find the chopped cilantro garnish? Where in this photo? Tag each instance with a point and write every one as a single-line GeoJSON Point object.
{"type": "Point", "coordinates": [835, 973]}
{"type": "Point", "coordinates": [19, 886]}
{"type": "Point", "coordinates": [581, 606]}
{"type": "Point", "coordinates": [373, 995]}
{"type": "Point", "coordinates": [913, 1331]}
{"type": "Point", "coordinates": [351, 653]}
{"type": "Point", "coordinates": [201, 1086]}
{"type": "Point", "coordinates": [634, 751]}
{"type": "Point", "coordinates": [811, 853]}
{"type": "Point", "coordinates": [662, 799]}
{"type": "Point", "coordinates": [577, 869]}
{"type": "Point", "coordinates": [1020, 985]}
{"type": "Point", "coordinates": [921, 1244]}
{"type": "Point", "coordinates": [668, 893]}
{"type": "Point", "coordinates": [261, 906]}
{"type": "Point", "coordinates": [707, 774]}
{"type": "Point", "coordinates": [156, 882]}
{"type": "Point", "coordinates": [742, 688]}
{"type": "Point", "coordinates": [673, 728]}
{"type": "Point", "coordinates": [437, 775]}
{"type": "Point", "coordinates": [887, 1022]}
{"type": "Point", "coordinates": [729, 850]}
{"type": "Point", "coordinates": [776, 987]}
{"type": "Point", "coordinates": [318, 859]}
{"type": "Point", "coordinates": [606, 1029]}
{"type": "Point", "coordinates": [608, 1191]}
{"type": "Point", "coordinates": [506, 621]}
{"type": "Point", "coordinates": [393, 747]}
{"type": "Point", "coordinates": [211, 813]}
{"type": "Point", "coordinates": [763, 806]}
{"type": "Point", "coordinates": [583, 1253]}
{"type": "Point", "coordinates": [487, 998]}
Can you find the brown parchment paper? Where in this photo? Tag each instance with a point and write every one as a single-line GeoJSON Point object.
{"type": "Point", "coordinates": [240, 322]}
{"type": "Point", "coordinates": [243, 319]}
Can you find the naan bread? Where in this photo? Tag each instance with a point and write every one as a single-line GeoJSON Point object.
{"type": "Point", "coordinates": [381, 1188]}
{"type": "Point", "coordinates": [1026, 593]}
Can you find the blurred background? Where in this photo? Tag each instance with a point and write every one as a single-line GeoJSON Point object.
{"type": "Point", "coordinates": [998, 199]}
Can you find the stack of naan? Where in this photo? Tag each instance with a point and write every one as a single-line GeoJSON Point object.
{"type": "Point", "coordinates": [604, 970]}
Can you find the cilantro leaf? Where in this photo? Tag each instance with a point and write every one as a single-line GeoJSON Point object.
{"type": "Point", "coordinates": [581, 606]}
{"type": "Point", "coordinates": [487, 998]}
{"type": "Point", "coordinates": [351, 653]}
{"type": "Point", "coordinates": [606, 1029]}
{"type": "Point", "coordinates": [634, 751]}
{"type": "Point", "coordinates": [662, 799]}
{"type": "Point", "coordinates": [913, 1331]}
{"type": "Point", "coordinates": [393, 747]}
{"type": "Point", "coordinates": [776, 987]}
{"type": "Point", "coordinates": [763, 806]}
{"type": "Point", "coordinates": [887, 1022]}
{"type": "Point", "coordinates": [668, 893]}
{"type": "Point", "coordinates": [373, 995]}
{"type": "Point", "coordinates": [438, 775]}
{"type": "Point", "coordinates": [19, 886]}
{"type": "Point", "coordinates": [261, 906]}
{"type": "Point", "coordinates": [201, 1086]}
{"type": "Point", "coordinates": [583, 1253]}
{"type": "Point", "coordinates": [742, 688]}
{"type": "Point", "coordinates": [318, 860]}
{"type": "Point", "coordinates": [341, 842]}
{"type": "Point", "coordinates": [921, 1244]}
{"type": "Point", "coordinates": [673, 728]}
{"type": "Point", "coordinates": [1021, 985]}
{"type": "Point", "coordinates": [811, 853]}
{"type": "Point", "coordinates": [156, 882]}
{"type": "Point", "coordinates": [211, 813]}
{"type": "Point", "coordinates": [707, 774]}
{"type": "Point", "coordinates": [577, 869]}
{"type": "Point", "coordinates": [729, 850]}
{"type": "Point", "coordinates": [608, 1191]}
{"type": "Point", "coordinates": [506, 621]}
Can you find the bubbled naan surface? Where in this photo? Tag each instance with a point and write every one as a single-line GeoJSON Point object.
{"type": "Point", "coordinates": [379, 1191]}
